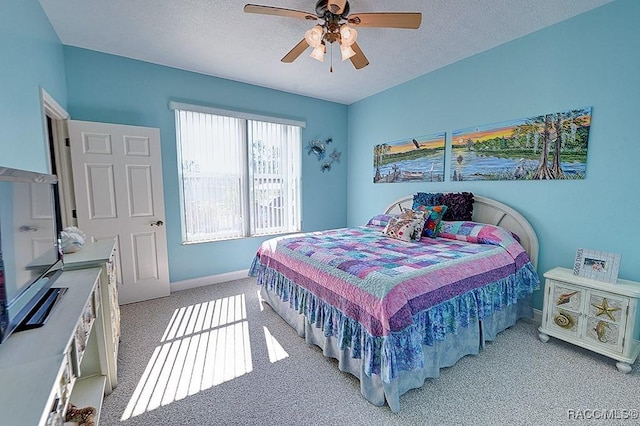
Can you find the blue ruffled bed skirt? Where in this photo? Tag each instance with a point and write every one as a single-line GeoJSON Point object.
{"type": "Point", "coordinates": [403, 351]}
{"type": "Point", "coordinates": [441, 354]}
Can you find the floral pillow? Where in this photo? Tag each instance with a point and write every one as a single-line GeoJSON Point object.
{"type": "Point", "coordinates": [406, 227]}
{"type": "Point", "coordinates": [433, 219]}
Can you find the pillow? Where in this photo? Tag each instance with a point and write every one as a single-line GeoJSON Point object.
{"type": "Point", "coordinates": [433, 219]}
{"type": "Point", "coordinates": [463, 230]}
{"type": "Point", "coordinates": [381, 219]}
{"type": "Point", "coordinates": [459, 206]}
{"type": "Point", "coordinates": [482, 233]}
{"type": "Point", "coordinates": [406, 227]}
{"type": "Point", "coordinates": [426, 199]}
{"type": "Point", "coordinates": [411, 214]}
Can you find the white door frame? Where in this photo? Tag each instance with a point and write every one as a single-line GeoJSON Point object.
{"type": "Point", "coordinates": [61, 151]}
{"type": "Point", "coordinates": [62, 156]}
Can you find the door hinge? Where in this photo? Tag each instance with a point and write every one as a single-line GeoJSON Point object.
{"type": "Point", "coordinates": [74, 214]}
{"type": "Point", "coordinates": [67, 142]}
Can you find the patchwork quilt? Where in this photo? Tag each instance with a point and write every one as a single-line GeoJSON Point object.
{"type": "Point", "coordinates": [384, 298]}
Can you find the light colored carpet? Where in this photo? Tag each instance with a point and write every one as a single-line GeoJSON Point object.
{"type": "Point", "coordinates": [215, 356]}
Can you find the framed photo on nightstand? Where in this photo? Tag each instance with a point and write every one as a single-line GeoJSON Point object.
{"type": "Point", "coordinates": [597, 265]}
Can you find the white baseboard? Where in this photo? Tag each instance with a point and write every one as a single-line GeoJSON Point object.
{"type": "Point", "coordinates": [211, 279]}
{"type": "Point", "coordinates": [537, 316]}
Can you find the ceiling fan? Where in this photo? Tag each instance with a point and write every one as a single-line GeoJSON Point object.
{"type": "Point", "coordinates": [337, 26]}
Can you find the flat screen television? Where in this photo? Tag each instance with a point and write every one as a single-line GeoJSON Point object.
{"type": "Point", "coordinates": [30, 250]}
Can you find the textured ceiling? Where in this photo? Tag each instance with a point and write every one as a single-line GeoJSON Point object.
{"type": "Point", "coordinates": [215, 37]}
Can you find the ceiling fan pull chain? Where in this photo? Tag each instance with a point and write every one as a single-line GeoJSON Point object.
{"type": "Point", "coordinates": [331, 67]}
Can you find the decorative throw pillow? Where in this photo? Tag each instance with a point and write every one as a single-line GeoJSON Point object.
{"type": "Point", "coordinates": [433, 219]}
{"type": "Point", "coordinates": [482, 233]}
{"type": "Point", "coordinates": [427, 199]}
{"type": "Point", "coordinates": [412, 214]}
{"type": "Point", "coordinates": [381, 219]}
{"type": "Point", "coordinates": [459, 206]}
{"type": "Point", "coordinates": [406, 227]}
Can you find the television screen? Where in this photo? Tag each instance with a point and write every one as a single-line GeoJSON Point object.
{"type": "Point", "coordinates": [30, 259]}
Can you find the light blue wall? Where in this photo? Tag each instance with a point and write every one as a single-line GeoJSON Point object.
{"type": "Point", "coordinates": [113, 89]}
{"type": "Point", "coordinates": [590, 60]}
{"type": "Point", "coordinates": [31, 57]}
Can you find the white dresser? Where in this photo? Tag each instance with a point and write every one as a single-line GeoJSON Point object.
{"type": "Point", "coordinates": [103, 254]}
{"type": "Point", "coordinates": [44, 369]}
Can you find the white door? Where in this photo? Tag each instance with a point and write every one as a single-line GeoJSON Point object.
{"type": "Point", "coordinates": [117, 177]}
{"type": "Point", "coordinates": [34, 233]}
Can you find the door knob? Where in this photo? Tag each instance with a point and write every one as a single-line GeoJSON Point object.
{"type": "Point", "coordinates": [157, 223]}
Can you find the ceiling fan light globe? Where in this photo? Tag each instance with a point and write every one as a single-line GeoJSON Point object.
{"type": "Point", "coordinates": [346, 52]}
{"type": "Point", "coordinates": [313, 36]}
{"type": "Point", "coordinates": [348, 35]}
{"type": "Point", "coordinates": [318, 53]}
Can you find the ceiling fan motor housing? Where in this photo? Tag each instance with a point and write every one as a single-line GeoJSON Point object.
{"type": "Point", "coordinates": [323, 12]}
{"type": "Point", "coordinates": [331, 20]}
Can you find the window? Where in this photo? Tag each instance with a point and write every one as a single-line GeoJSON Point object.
{"type": "Point", "coordinates": [239, 174]}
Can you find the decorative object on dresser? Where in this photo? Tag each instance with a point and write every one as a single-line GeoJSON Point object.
{"type": "Point", "coordinates": [597, 265]}
{"type": "Point", "coordinates": [72, 239]}
{"type": "Point", "coordinates": [595, 315]}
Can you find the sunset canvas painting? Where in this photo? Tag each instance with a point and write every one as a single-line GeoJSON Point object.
{"type": "Point", "coordinates": [551, 146]}
{"type": "Point", "coordinates": [419, 159]}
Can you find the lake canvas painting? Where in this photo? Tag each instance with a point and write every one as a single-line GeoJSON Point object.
{"type": "Point", "coordinates": [551, 146]}
{"type": "Point", "coordinates": [419, 159]}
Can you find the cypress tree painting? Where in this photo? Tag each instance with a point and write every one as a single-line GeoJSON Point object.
{"type": "Point", "coordinates": [550, 146]}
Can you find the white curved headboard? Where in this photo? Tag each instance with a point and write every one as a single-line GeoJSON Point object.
{"type": "Point", "coordinates": [487, 210]}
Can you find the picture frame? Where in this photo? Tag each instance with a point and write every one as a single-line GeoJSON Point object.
{"type": "Point", "coordinates": [597, 265]}
{"type": "Point", "coordinates": [414, 159]}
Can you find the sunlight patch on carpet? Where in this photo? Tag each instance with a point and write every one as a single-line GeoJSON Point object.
{"type": "Point", "coordinates": [276, 351]}
{"type": "Point", "coordinates": [203, 346]}
{"type": "Point", "coordinates": [261, 301]}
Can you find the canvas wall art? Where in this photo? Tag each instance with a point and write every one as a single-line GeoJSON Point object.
{"type": "Point", "coordinates": [419, 159]}
{"type": "Point", "coordinates": [550, 146]}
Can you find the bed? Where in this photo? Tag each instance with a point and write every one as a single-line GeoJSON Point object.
{"type": "Point", "coordinates": [393, 313]}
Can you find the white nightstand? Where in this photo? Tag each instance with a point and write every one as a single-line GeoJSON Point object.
{"type": "Point", "coordinates": [595, 315]}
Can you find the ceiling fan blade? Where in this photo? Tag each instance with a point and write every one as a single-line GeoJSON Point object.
{"type": "Point", "coordinates": [295, 52]}
{"type": "Point", "coordinates": [358, 60]}
{"type": "Point", "coordinates": [336, 6]}
{"type": "Point", "coordinates": [387, 20]}
{"type": "Point", "coordinates": [278, 11]}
